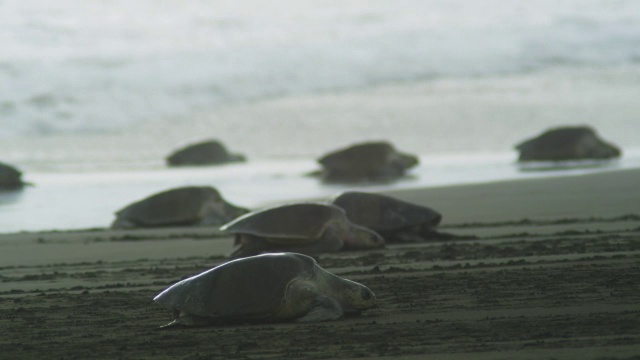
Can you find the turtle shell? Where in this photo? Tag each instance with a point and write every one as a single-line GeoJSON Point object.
{"type": "Point", "coordinates": [251, 287]}
{"type": "Point", "coordinates": [291, 221]}
{"type": "Point", "coordinates": [383, 213]}
{"type": "Point", "coordinates": [181, 206]}
{"type": "Point", "coordinates": [205, 153]}
{"type": "Point", "coordinates": [376, 161]}
{"type": "Point", "coordinates": [359, 158]}
{"type": "Point", "coordinates": [10, 177]}
{"type": "Point", "coordinates": [566, 143]}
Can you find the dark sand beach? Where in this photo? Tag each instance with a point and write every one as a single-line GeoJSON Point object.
{"type": "Point", "coordinates": [552, 273]}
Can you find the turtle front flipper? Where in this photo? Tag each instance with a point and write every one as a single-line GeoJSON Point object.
{"type": "Point", "coordinates": [323, 308]}
{"type": "Point", "coordinates": [307, 300]}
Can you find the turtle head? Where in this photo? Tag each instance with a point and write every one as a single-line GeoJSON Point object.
{"type": "Point", "coordinates": [353, 297]}
{"type": "Point", "coordinates": [353, 236]}
{"type": "Point", "coordinates": [357, 298]}
{"type": "Point", "coordinates": [360, 237]}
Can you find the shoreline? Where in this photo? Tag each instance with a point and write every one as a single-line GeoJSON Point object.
{"type": "Point", "coordinates": [99, 195]}
{"type": "Point", "coordinates": [560, 198]}
{"type": "Point", "coordinates": [427, 117]}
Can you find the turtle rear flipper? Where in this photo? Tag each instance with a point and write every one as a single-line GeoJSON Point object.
{"type": "Point", "coordinates": [172, 325]}
{"type": "Point", "coordinates": [186, 320]}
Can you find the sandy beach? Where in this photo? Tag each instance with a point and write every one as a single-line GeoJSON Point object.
{"type": "Point", "coordinates": [552, 273]}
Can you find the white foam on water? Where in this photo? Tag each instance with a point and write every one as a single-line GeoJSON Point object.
{"type": "Point", "coordinates": [104, 65]}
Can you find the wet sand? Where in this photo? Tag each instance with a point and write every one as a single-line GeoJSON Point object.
{"type": "Point", "coordinates": [553, 273]}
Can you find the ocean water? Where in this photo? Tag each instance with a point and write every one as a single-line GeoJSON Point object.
{"type": "Point", "coordinates": [94, 95]}
{"type": "Point", "coordinates": [105, 65]}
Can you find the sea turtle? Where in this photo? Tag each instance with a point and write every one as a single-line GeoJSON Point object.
{"type": "Point", "coordinates": [210, 152]}
{"type": "Point", "coordinates": [394, 219]}
{"type": "Point", "coordinates": [567, 143]}
{"type": "Point", "coordinates": [273, 287]}
{"type": "Point", "coordinates": [10, 178]}
{"type": "Point", "coordinates": [307, 228]}
{"type": "Point", "coordinates": [366, 162]}
{"type": "Point", "coordinates": [184, 206]}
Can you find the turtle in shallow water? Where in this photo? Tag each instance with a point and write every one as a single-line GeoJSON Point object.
{"type": "Point", "coordinates": [307, 228]}
{"type": "Point", "coordinates": [185, 206]}
{"type": "Point", "coordinates": [567, 143]}
{"type": "Point", "coordinates": [394, 219]}
{"type": "Point", "coordinates": [10, 178]}
{"type": "Point", "coordinates": [264, 288]}
{"type": "Point", "coordinates": [375, 162]}
{"type": "Point", "coordinates": [210, 152]}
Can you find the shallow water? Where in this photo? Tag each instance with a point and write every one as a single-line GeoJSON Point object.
{"type": "Point", "coordinates": [81, 200]}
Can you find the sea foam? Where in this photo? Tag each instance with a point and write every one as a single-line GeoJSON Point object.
{"type": "Point", "coordinates": [104, 65]}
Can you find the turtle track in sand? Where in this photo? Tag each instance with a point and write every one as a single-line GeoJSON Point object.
{"type": "Point", "coordinates": [559, 289]}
